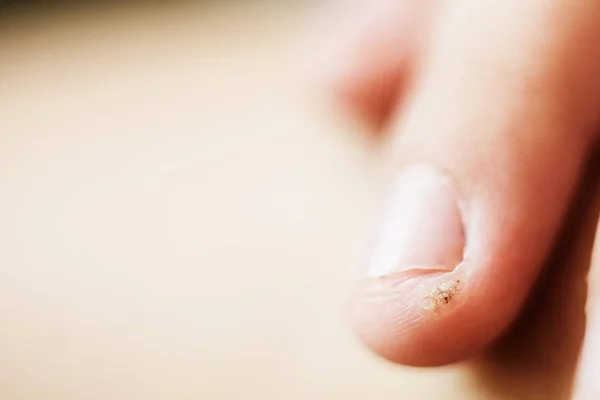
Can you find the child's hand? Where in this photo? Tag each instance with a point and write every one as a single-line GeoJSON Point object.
{"type": "Point", "coordinates": [499, 111]}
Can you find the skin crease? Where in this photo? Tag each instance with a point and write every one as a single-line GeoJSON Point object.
{"type": "Point", "coordinates": [513, 115]}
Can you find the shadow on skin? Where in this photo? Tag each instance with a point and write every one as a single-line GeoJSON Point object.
{"type": "Point", "coordinates": [537, 358]}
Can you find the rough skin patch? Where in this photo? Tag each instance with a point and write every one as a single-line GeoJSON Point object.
{"type": "Point", "coordinates": [441, 296]}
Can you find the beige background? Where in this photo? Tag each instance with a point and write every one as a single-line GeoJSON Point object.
{"type": "Point", "coordinates": [180, 217]}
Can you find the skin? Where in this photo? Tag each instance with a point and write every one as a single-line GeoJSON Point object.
{"type": "Point", "coordinates": [504, 97]}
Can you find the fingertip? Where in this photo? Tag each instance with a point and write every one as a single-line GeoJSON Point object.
{"type": "Point", "coordinates": [423, 319]}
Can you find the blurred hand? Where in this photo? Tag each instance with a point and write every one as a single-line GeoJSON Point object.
{"type": "Point", "coordinates": [495, 111]}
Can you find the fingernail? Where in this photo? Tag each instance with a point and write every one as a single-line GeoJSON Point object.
{"type": "Point", "coordinates": [422, 228]}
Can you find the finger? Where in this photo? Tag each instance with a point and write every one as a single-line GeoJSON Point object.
{"type": "Point", "coordinates": [539, 354]}
{"type": "Point", "coordinates": [588, 379]}
{"type": "Point", "coordinates": [490, 148]}
{"type": "Point", "coordinates": [372, 55]}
